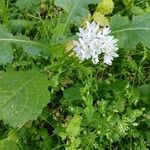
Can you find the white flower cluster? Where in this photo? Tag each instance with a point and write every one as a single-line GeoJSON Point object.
{"type": "Point", "coordinates": [93, 41]}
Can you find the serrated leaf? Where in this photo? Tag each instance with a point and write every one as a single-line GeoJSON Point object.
{"type": "Point", "coordinates": [130, 33]}
{"type": "Point", "coordinates": [73, 128]}
{"type": "Point", "coordinates": [30, 47]}
{"type": "Point", "coordinates": [6, 52]}
{"type": "Point", "coordinates": [137, 10]}
{"type": "Point", "coordinates": [34, 49]}
{"type": "Point", "coordinates": [17, 25]}
{"type": "Point", "coordinates": [74, 144]}
{"type": "Point", "coordinates": [76, 9]}
{"type": "Point", "coordinates": [28, 4]}
{"type": "Point", "coordinates": [23, 95]}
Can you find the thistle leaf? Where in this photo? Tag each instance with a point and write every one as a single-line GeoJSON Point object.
{"type": "Point", "coordinates": [130, 33]}
{"type": "Point", "coordinates": [76, 9]}
{"type": "Point", "coordinates": [30, 47]}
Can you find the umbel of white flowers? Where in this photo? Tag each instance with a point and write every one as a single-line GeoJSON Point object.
{"type": "Point", "coordinates": [94, 41]}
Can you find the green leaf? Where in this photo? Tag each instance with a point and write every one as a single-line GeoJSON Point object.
{"type": "Point", "coordinates": [89, 112]}
{"type": "Point", "coordinates": [2, 7]}
{"type": "Point", "coordinates": [7, 145]}
{"type": "Point", "coordinates": [23, 95]}
{"type": "Point", "coordinates": [145, 93]}
{"type": "Point", "coordinates": [130, 33]}
{"type": "Point", "coordinates": [6, 52]}
{"type": "Point", "coordinates": [133, 114]}
{"type": "Point", "coordinates": [73, 128]}
{"type": "Point", "coordinates": [103, 88]}
{"type": "Point", "coordinates": [17, 25]}
{"type": "Point", "coordinates": [148, 2]}
{"type": "Point", "coordinates": [128, 3]}
{"type": "Point", "coordinates": [30, 47]}
{"type": "Point", "coordinates": [119, 85]}
{"type": "Point", "coordinates": [28, 4]}
{"type": "Point", "coordinates": [33, 49]}
{"type": "Point", "coordinates": [73, 93]}
{"type": "Point", "coordinates": [76, 9]}
{"type": "Point", "coordinates": [137, 10]}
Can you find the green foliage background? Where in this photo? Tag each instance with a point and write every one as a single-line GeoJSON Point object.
{"type": "Point", "coordinates": [50, 100]}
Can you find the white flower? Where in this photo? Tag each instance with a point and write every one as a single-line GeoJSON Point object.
{"type": "Point", "coordinates": [93, 41]}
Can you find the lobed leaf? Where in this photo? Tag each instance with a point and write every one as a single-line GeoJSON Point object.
{"type": "Point", "coordinates": [130, 33]}
{"type": "Point", "coordinates": [30, 47]}
{"type": "Point", "coordinates": [76, 9]}
{"type": "Point", "coordinates": [6, 52]}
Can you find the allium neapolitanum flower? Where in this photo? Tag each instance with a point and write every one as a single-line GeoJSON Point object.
{"type": "Point", "coordinates": [94, 41]}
